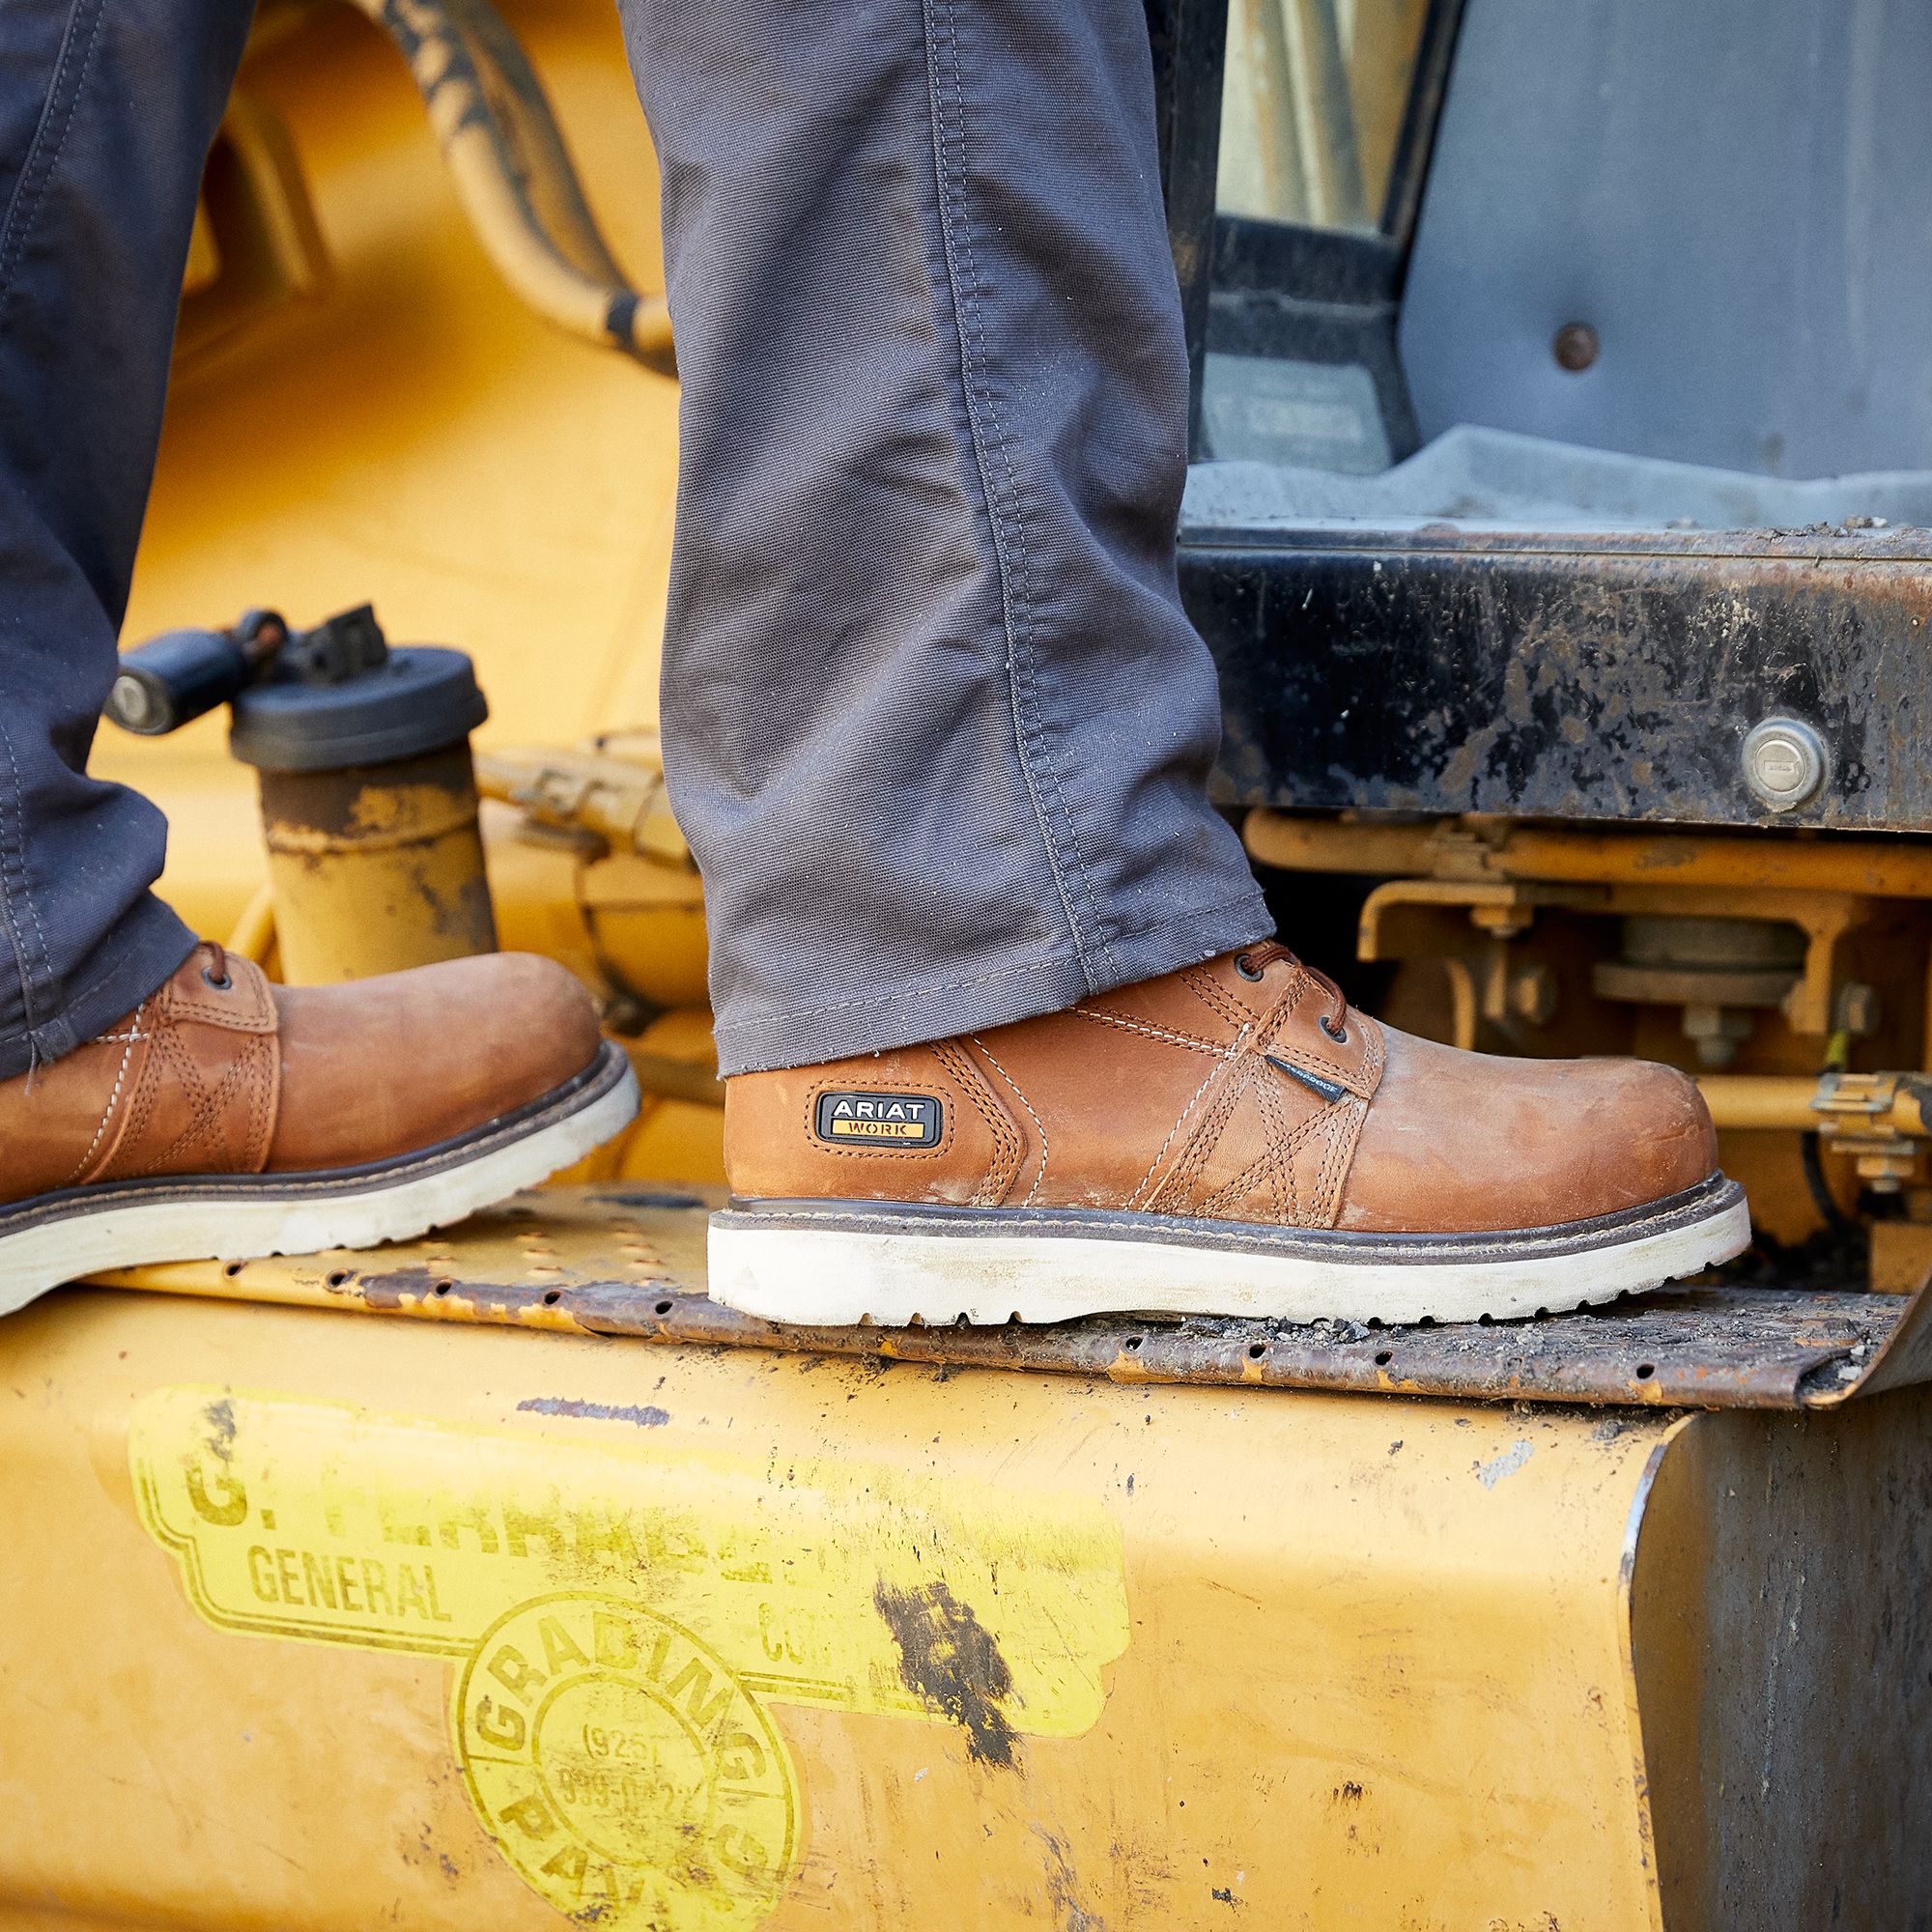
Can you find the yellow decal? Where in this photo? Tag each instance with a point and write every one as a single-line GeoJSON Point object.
{"type": "Point", "coordinates": [880, 1130]}
{"type": "Point", "coordinates": [622, 1769]}
{"type": "Point", "coordinates": [622, 1614]}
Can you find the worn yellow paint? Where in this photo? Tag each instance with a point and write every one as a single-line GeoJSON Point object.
{"type": "Point", "coordinates": [396, 879]}
{"type": "Point", "coordinates": [623, 1616]}
{"type": "Point", "coordinates": [646, 1787]}
{"type": "Point", "coordinates": [1374, 1671]}
{"type": "Point", "coordinates": [263, 1499]}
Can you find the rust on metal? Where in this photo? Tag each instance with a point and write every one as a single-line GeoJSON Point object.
{"type": "Point", "coordinates": [1706, 1348]}
{"type": "Point", "coordinates": [629, 1262]}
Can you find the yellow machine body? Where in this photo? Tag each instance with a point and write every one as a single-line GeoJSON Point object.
{"type": "Point", "coordinates": [320, 1617]}
{"type": "Point", "coordinates": [333, 1622]}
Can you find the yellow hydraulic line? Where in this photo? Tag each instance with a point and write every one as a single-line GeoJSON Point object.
{"type": "Point", "coordinates": [1769, 1100]}
{"type": "Point", "coordinates": [513, 173]}
{"type": "Point", "coordinates": [1784, 1102]}
{"type": "Point", "coordinates": [1884, 869]}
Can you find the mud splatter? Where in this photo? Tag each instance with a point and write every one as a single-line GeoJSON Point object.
{"type": "Point", "coordinates": [1511, 1458]}
{"type": "Point", "coordinates": [646, 1416]}
{"type": "Point", "coordinates": [949, 1658]}
{"type": "Point", "coordinates": [1063, 1887]}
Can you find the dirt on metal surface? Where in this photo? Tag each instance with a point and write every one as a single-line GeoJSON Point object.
{"type": "Point", "coordinates": [629, 1261]}
{"type": "Point", "coordinates": [949, 1660]}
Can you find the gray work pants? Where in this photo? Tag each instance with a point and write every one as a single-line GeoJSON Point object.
{"type": "Point", "coordinates": [935, 725]}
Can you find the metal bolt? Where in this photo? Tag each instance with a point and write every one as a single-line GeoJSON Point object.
{"type": "Point", "coordinates": [1576, 347]}
{"type": "Point", "coordinates": [1886, 1168]}
{"type": "Point", "coordinates": [1717, 1031]}
{"type": "Point", "coordinates": [1785, 762]}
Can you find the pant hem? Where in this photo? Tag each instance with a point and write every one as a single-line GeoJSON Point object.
{"type": "Point", "coordinates": [809, 1036]}
{"type": "Point", "coordinates": [141, 956]}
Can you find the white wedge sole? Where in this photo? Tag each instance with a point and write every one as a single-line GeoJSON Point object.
{"type": "Point", "coordinates": [833, 1263]}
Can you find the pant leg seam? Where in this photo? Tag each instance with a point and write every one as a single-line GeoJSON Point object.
{"type": "Point", "coordinates": [31, 189]}
{"type": "Point", "coordinates": [35, 973]}
{"type": "Point", "coordinates": [1016, 580]}
{"type": "Point", "coordinates": [1024, 634]}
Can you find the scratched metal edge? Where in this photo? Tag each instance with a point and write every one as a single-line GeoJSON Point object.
{"type": "Point", "coordinates": [1700, 1349]}
{"type": "Point", "coordinates": [1903, 1357]}
{"type": "Point", "coordinates": [1699, 1353]}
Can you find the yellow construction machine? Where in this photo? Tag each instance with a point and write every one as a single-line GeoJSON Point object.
{"type": "Point", "coordinates": [499, 1579]}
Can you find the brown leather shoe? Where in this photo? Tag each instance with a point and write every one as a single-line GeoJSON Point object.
{"type": "Point", "coordinates": [1227, 1140]}
{"type": "Point", "coordinates": [229, 1118]}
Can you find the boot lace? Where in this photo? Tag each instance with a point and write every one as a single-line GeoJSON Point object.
{"type": "Point", "coordinates": [1252, 963]}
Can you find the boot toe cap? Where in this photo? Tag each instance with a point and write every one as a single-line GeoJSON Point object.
{"type": "Point", "coordinates": [557, 1035]}
{"type": "Point", "coordinates": [1467, 1143]}
{"type": "Point", "coordinates": [380, 1068]}
{"type": "Point", "coordinates": [1670, 1142]}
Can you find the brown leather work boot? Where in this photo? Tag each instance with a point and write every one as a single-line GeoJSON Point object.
{"type": "Point", "coordinates": [1226, 1140]}
{"type": "Point", "coordinates": [229, 1118]}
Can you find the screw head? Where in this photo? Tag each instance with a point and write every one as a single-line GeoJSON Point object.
{"type": "Point", "coordinates": [1785, 762]}
{"type": "Point", "coordinates": [1576, 347]}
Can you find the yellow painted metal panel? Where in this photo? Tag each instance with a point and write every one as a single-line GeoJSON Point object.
{"type": "Point", "coordinates": [1320, 1661]}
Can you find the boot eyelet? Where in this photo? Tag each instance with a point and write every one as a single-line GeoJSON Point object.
{"type": "Point", "coordinates": [1246, 966]}
{"type": "Point", "coordinates": [221, 985]}
{"type": "Point", "coordinates": [1339, 1035]}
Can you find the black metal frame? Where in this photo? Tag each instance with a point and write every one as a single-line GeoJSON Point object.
{"type": "Point", "coordinates": [1608, 678]}
{"type": "Point", "coordinates": [1443, 669]}
{"type": "Point", "coordinates": [1277, 288]}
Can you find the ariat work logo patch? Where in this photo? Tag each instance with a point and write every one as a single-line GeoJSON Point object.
{"type": "Point", "coordinates": [878, 1119]}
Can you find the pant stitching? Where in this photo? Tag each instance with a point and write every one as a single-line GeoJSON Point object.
{"type": "Point", "coordinates": [36, 975]}
{"type": "Point", "coordinates": [1253, 895]}
{"type": "Point", "coordinates": [26, 888]}
{"type": "Point", "coordinates": [1015, 585]}
{"type": "Point", "coordinates": [21, 212]}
